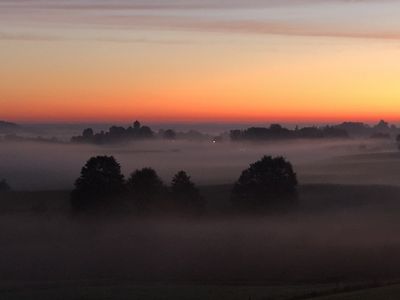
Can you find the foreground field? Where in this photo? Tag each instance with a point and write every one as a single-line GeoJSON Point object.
{"type": "Point", "coordinates": [391, 292]}
{"type": "Point", "coordinates": [335, 236]}
{"type": "Point", "coordinates": [102, 291]}
{"type": "Point", "coordinates": [124, 291]}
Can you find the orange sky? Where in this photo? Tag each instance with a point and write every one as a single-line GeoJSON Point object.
{"type": "Point", "coordinates": [87, 73]}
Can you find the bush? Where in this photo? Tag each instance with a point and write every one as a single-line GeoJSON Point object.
{"type": "Point", "coordinates": [269, 181]}
{"type": "Point", "coordinates": [145, 186]}
{"type": "Point", "coordinates": [398, 141]}
{"type": "Point", "coordinates": [184, 192]}
{"type": "Point", "coordinates": [100, 180]}
{"type": "Point", "coordinates": [4, 186]}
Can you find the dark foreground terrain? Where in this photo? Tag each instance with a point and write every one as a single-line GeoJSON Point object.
{"type": "Point", "coordinates": [339, 242]}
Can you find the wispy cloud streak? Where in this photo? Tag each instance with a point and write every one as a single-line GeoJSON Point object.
{"type": "Point", "coordinates": [296, 18]}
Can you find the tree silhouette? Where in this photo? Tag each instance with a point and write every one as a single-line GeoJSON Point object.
{"type": "Point", "coordinates": [100, 180]}
{"type": "Point", "coordinates": [169, 134]}
{"type": "Point", "coordinates": [115, 134]}
{"type": "Point", "coordinates": [4, 186]}
{"type": "Point", "coordinates": [266, 182]}
{"type": "Point", "coordinates": [136, 125]}
{"type": "Point", "coordinates": [185, 193]}
{"type": "Point", "coordinates": [145, 186]}
{"type": "Point", "coordinates": [398, 141]}
{"type": "Point", "coordinates": [88, 133]}
{"type": "Point", "coordinates": [145, 132]}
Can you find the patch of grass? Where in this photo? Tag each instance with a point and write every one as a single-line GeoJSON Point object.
{"type": "Point", "coordinates": [391, 292]}
{"type": "Point", "coordinates": [103, 291]}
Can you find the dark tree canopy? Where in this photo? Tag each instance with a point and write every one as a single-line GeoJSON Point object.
{"type": "Point", "coordinates": [137, 125]}
{"type": "Point", "coordinates": [169, 134]}
{"type": "Point", "coordinates": [100, 180]}
{"type": "Point", "coordinates": [184, 191]}
{"type": "Point", "coordinates": [277, 132]}
{"type": "Point", "coordinates": [265, 182]}
{"type": "Point", "coordinates": [4, 186]}
{"type": "Point", "coordinates": [88, 133]}
{"type": "Point", "coordinates": [115, 134]}
{"type": "Point", "coordinates": [145, 186]}
{"type": "Point", "coordinates": [398, 141]}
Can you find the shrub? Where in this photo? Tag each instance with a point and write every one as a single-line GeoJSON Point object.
{"type": "Point", "coordinates": [268, 181]}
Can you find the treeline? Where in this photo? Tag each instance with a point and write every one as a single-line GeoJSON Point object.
{"type": "Point", "coordinates": [101, 185]}
{"type": "Point", "coordinates": [137, 132]}
{"type": "Point", "coordinates": [267, 183]}
{"type": "Point", "coordinates": [382, 130]}
{"type": "Point", "coordinates": [115, 134]}
{"type": "Point", "coordinates": [277, 132]}
{"type": "Point", "coordinates": [119, 134]}
{"type": "Point", "coordinates": [8, 127]}
{"type": "Point", "coordinates": [4, 186]}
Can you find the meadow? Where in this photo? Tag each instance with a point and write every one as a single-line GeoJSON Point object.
{"type": "Point", "coordinates": [340, 241]}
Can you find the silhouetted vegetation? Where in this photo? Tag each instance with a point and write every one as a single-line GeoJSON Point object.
{"type": "Point", "coordinates": [119, 134]}
{"type": "Point", "coordinates": [267, 182]}
{"type": "Point", "coordinates": [169, 134]}
{"type": "Point", "coordinates": [277, 132]}
{"type": "Point", "coordinates": [145, 187]}
{"type": "Point", "coordinates": [192, 135]}
{"type": "Point", "coordinates": [398, 141]}
{"type": "Point", "coordinates": [185, 194]}
{"type": "Point", "coordinates": [100, 182]}
{"type": "Point", "coordinates": [382, 130]}
{"type": "Point", "coordinates": [8, 127]}
{"type": "Point", "coordinates": [4, 186]}
{"type": "Point", "coordinates": [116, 134]}
{"type": "Point", "coordinates": [102, 185]}
{"type": "Point", "coordinates": [358, 129]}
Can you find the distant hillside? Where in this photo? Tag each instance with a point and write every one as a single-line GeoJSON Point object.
{"type": "Point", "coordinates": [4, 124]}
{"type": "Point", "coordinates": [7, 127]}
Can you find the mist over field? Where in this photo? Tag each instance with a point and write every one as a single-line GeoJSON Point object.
{"type": "Point", "coordinates": [199, 149]}
{"type": "Point", "coordinates": [342, 230]}
{"type": "Point", "coordinates": [44, 166]}
{"type": "Point", "coordinates": [316, 247]}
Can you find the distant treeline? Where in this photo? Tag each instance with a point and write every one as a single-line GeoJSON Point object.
{"type": "Point", "coordinates": [118, 134]}
{"type": "Point", "coordinates": [115, 134]}
{"type": "Point", "coordinates": [382, 130]}
{"type": "Point", "coordinates": [7, 127]}
{"type": "Point", "coordinates": [276, 132]}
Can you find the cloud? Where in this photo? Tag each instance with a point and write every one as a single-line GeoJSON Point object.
{"type": "Point", "coordinates": [198, 15]}
{"type": "Point", "coordinates": [250, 26]}
{"type": "Point", "coordinates": [28, 37]}
{"type": "Point", "coordinates": [53, 38]}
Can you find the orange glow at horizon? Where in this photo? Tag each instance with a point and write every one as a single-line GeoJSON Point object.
{"type": "Point", "coordinates": [308, 79]}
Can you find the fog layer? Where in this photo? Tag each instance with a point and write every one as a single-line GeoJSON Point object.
{"type": "Point", "coordinates": [41, 166]}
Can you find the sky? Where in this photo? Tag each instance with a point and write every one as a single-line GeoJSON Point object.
{"type": "Point", "coordinates": [199, 60]}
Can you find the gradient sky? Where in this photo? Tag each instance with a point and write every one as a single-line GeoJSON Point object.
{"type": "Point", "coordinates": [199, 60]}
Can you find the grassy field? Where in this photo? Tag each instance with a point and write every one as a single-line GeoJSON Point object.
{"type": "Point", "coordinates": [110, 290]}
{"type": "Point", "coordinates": [337, 235]}
{"type": "Point", "coordinates": [312, 197]}
{"type": "Point", "coordinates": [391, 292]}
{"type": "Point", "coordinates": [122, 291]}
